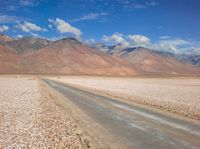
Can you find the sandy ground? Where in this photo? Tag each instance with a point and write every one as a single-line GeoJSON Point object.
{"type": "Point", "coordinates": [30, 119]}
{"type": "Point", "coordinates": [177, 95]}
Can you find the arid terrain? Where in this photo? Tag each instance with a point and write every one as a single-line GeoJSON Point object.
{"type": "Point", "coordinates": [120, 124]}
{"type": "Point", "coordinates": [29, 118]}
{"type": "Point", "coordinates": [75, 112]}
{"type": "Point", "coordinates": [177, 95]}
{"type": "Point", "coordinates": [99, 74]}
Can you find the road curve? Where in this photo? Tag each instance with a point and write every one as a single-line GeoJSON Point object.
{"type": "Point", "coordinates": [136, 127]}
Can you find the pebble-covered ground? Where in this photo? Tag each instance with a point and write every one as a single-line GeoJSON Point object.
{"type": "Point", "coordinates": [178, 95]}
{"type": "Point", "coordinates": [30, 119]}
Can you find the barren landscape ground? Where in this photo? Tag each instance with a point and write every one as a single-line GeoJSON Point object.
{"type": "Point", "coordinates": [177, 95]}
{"type": "Point", "coordinates": [29, 118]}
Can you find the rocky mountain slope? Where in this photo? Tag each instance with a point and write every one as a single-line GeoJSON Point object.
{"type": "Point", "coordinates": [65, 56]}
{"type": "Point", "coordinates": [27, 44]}
{"type": "Point", "coordinates": [151, 62]}
{"type": "Point", "coordinates": [70, 56]}
{"type": "Point", "coordinates": [191, 58]}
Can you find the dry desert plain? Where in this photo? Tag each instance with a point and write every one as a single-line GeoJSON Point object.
{"type": "Point", "coordinates": [30, 117]}
{"type": "Point", "coordinates": [175, 95]}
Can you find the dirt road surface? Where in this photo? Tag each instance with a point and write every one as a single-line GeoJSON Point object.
{"type": "Point", "coordinates": [134, 127]}
{"type": "Point", "coordinates": [177, 95]}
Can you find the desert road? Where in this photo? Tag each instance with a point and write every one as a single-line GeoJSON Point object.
{"type": "Point", "coordinates": [136, 127]}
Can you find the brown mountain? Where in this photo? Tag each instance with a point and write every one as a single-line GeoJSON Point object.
{"type": "Point", "coordinates": [27, 44]}
{"type": "Point", "coordinates": [66, 56]}
{"type": "Point", "coordinates": [9, 60]}
{"type": "Point", "coordinates": [151, 62]}
{"type": "Point", "coordinates": [69, 56]}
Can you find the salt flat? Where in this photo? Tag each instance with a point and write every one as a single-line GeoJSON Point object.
{"type": "Point", "coordinates": [178, 95]}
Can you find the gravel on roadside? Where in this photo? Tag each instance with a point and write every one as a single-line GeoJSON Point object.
{"type": "Point", "coordinates": [29, 118]}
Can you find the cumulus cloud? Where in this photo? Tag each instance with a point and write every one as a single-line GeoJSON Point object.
{"type": "Point", "coordinates": [171, 45]}
{"type": "Point", "coordinates": [139, 40]}
{"type": "Point", "coordinates": [4, 28]}
{"type": "Point", "coordinates": [29, 27]}
{"type": "Point", "coordinates": [50, 26]}
{"type": "Point", "coordinates": [166, 43]}
{"type": "Point", "coordinates": [65, 27]}
{"type": "Point", "coordinates": [90, 41]}
{"type": "Point", "coordinates": [117, 38]}
{"type": "Point", "coordinates": [90, 16]}
{"type": "Point", "coordinates": [175, 42]}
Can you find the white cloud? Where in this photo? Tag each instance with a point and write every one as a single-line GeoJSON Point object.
{"type": "Point", "coordinates": [175, 42]}
{"type": "Point", "coordinates": [19, 36]}
{"type": "Point", "coordinates": [29, 27]}
{"type": "Point", "coordinates": [35, 35]}
{"type": "Point", "coordinates": [197, 50]}
{"type": "Point", "coordinates": [165, 37]}
{"type": "Point", "coordinates": [117, 38]}
{"type": "Point", "coordinates": [169, 44]}
{"type": "Point", "coordinates": [28, 2]}
{"type": "Point", "coordinates": [65, 27]}
{"type": "Point", "coordinates": [10, 8]}
{"type": "Point", "coordinates": [90, 16]}
{"type": "Point", "coordinates": [128, 4]}
{"type": "Point", "coordinates": [131, 4]}
{"type": "Point", "coordinates": [51, 20]}
{"type": "Point", "coordinates": [50, 26]}
{"type": "Point", "coordinates": [138, 6]}
{"type": "Point", "coordinates": [4, 28]}
{"type": "Point", "coordinates": [8, 19]}
{"type": "Point", "coordinates": [139, 40]}
{"type": "Point", "coordinates": [172, 45]}
{"type": "Point", "coordinates": [90, 41]}
{"type": "Point", "coordinates": [56, 38]}
{"type": "Point", "coordinates": [153, 3]}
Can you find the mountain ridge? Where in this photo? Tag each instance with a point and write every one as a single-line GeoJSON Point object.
{"type": "Point", "coordinates": [152, 62]}
{"type": "Point", "coordinates": [65, 56]}
{"type": "Point", "coordinates": [70, 56]}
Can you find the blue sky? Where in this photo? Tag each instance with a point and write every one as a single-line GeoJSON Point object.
{"type": "Point", "coordinates": [156, 23]}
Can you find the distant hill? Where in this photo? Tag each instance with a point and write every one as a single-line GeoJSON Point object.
{"type": "Point", "coordinates": [70, 56]}
{"type": "Point", "coordinates": [65, 56]}
{"type": "Point", "coordinates": [151, 62]}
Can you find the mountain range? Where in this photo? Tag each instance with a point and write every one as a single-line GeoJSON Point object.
{"type": "Point", "coordinates": [31, 55]}
{"type": "Point", "coordinates": [154, 62]}
{"type": "Point", "coordinates": [65, 56]}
